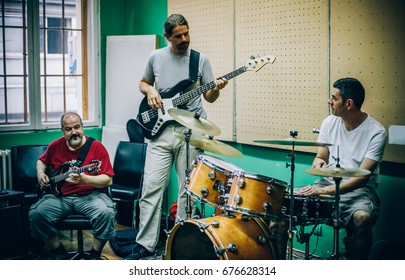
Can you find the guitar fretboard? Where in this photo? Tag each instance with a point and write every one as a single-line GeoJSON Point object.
{"type": "Point", "coordinates": [63, 176]}
{"type": "Point", "coordinates": [184, 98]}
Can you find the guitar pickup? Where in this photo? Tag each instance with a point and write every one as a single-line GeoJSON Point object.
{"type": "Point", "coordinates": [145, 117]}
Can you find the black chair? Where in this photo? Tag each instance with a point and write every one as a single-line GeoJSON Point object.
{"type": "Point", "coordinates": [134, 131]}
{"type": "Point", "coordinates": [128, 166]}
{"type": "Point", "coordinates": [79, 223]}
{"type": "Point", "coordinates": [24, 173]}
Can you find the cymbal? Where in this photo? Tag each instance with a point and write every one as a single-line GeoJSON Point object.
{"type": "Point", "coordinates": [338, 172]}
{"type": "Point", "coordinates": [210, 145]}
{"type": "Point", "coordinates": [291, 141]}
{"type": "Point", "coordinates": [189, 120]}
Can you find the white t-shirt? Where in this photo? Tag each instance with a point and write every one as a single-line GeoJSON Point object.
{"type": "Point", "coordinates": [351, 147]}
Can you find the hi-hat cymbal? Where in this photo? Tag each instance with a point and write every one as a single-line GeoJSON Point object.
{"type": "Point", "coordinates": [189, 119]}
{"type": "Point", "coordinates": [291, 141]}
{"type": "Point", "coordinates": [338, 172]}
{"type": "Point", "coordinates": [210, 145]}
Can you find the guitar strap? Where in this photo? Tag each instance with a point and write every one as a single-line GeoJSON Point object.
{"type": "Point", "coordinates": [83, 152]}
{"type": "Point", "coordinates": [193, 71]}
{"type": "Point", "coordinates": [193, 68]}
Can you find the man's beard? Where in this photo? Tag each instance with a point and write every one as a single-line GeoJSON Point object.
{"type": "Point", "coordinates": [183, 47]}
{"type": "Point", "coordinates": [75, 140]}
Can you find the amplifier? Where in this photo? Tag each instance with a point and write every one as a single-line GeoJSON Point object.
{"type": "Point", "coordinates": [11, 198]}
{"type": "Point", "coordinates": [12, 244]}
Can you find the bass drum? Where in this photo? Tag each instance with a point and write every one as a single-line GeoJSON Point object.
{"type": "Point", "coordinates": [221, 238]}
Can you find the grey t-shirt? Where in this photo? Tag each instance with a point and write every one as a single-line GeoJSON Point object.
{"type": "Point", "coordinates": [166, 70]}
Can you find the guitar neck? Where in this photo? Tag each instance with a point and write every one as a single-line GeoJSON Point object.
{"type": "Point", "coordinates": [63, 176]}
{"type": "Point", "coordinates": [184, 98]}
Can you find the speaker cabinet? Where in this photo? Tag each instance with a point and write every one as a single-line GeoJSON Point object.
{"type": "Point", "coordinates": [12, 244]}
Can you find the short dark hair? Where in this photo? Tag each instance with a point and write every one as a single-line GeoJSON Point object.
{"type": "Point", "coordinates": [173, 21]}
{"type": "Point", "coordinates": [62, 119]}
{"type": "Point", "coordinates": [351, 88]}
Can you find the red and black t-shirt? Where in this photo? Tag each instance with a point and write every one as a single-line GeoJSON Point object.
{"type": "Point", "coordinates": [59, 153]}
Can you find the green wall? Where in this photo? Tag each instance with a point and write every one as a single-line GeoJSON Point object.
{"type": "Point", "coordinates": [126, 17]}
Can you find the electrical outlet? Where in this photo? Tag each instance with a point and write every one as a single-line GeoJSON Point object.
{"type": "Point", "coordinates": [318, 230]}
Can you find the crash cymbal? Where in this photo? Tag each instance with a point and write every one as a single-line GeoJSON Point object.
{"type": "Point", "coordinates": [291, 141]}
{"type": "Point", "coordinates": [210, 145]}
{"type": "Point", "coordinates": [338, 172]}
{"type": "Point", "coordinates": [190, 120]}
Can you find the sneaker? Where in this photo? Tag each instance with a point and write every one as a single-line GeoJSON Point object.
{"type": "Point", "coordinates": [138, 253]}
{"type": "Point", "coordinates": [93, 255]}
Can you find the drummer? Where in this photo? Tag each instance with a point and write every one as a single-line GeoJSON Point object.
{"type": "Point", "coordinates": [166, 68]}
{"type": "Point", "coordinates": [358, 142]}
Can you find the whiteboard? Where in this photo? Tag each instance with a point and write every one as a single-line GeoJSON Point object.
{"type": "Point", "coordinates": [126, 60]}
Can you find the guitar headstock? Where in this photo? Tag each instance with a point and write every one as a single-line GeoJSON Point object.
{"type": "Point", "coordinates": [255, 64]}
{"type": "Point", "coordinates": [93, 166]}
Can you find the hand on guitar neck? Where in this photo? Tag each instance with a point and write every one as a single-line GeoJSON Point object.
{"type": "Point", "coordinates": [64, 173]}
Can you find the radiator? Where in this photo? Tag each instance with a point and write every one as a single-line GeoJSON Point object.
{"type": "Point", "coordinates": [5, 169]}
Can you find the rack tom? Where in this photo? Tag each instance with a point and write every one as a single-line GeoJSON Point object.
{"type": "Point", "coordinates": [256, 195]}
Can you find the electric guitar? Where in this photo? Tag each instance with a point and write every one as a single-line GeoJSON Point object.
{"type": "Point", "coordinates": [65, 170]}
{"type": "Point", "coordinates": [153, 121]}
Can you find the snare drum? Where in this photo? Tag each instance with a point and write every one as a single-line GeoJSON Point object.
{"type": "Point", "coordinates": [256, 195]}
{"type": "Point", "coordinates": [221, 238]}
{"type": "Point", "coordinates": [310, 209]}
{"type": "Point", "coordinates": [208, 180]}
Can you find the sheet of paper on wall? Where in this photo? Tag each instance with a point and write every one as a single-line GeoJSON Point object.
{"type": "Point", "coordinates": [396, 134]}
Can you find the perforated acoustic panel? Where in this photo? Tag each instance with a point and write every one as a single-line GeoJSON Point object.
{"type": "Point", "coordinates": [314, 45]}
{"type": "Point", "coordinates": [367, 42]}
{"type": "Point", "coordinates": [211, 30]}
{"type": "Point", "coordinates": [290, 94]}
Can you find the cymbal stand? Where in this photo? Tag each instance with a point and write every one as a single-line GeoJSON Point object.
{"type": "Point", "coordinates": [291, 230]}
{"type": "Point", "coordinates": [187, 135]}
{"type": "Point", "coordinates": [336, 220]}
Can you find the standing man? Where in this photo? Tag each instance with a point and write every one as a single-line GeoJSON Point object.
{"type": "Point", "coordinates": [165, 69]}
{"type": "Point", "coordinates": [82, 193]}
{"type": "Point", "coordinates": [358, 141]}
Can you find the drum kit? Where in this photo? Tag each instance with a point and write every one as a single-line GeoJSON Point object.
{"type": "Point", "coordinates": [246, 203]}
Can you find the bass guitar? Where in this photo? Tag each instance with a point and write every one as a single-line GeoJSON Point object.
{"type": "Point", "coordinates": [153, 121]}
{"type": "Point", "coordinates": [63, 172]}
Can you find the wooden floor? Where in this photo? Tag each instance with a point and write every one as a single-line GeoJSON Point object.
{"type": "Point", "coordinates": [71, 243]}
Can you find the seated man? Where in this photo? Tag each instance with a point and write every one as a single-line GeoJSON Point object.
{"type": "Point", "coordinates": [358, 141]}
{"type": "Point", "coordinates": [82, 193]}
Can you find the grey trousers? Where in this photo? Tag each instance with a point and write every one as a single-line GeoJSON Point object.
{"type": "Point", "coordinates": [162, 153]}
{"type": "Point", "coordinates": [97, 206]}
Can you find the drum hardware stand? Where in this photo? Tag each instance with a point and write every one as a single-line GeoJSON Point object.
{"type": "Point", "coordinates": [187, 135]}
{"type": "Point", "coordinates": [336, 220]}
{"type": "Point", "coordinates": [291, 230]}
{"type": "Point", "coordinates": [303, 237]}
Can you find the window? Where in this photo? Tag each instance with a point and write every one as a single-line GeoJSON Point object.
{"type": "Point", "coordinates": [45, 62]}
